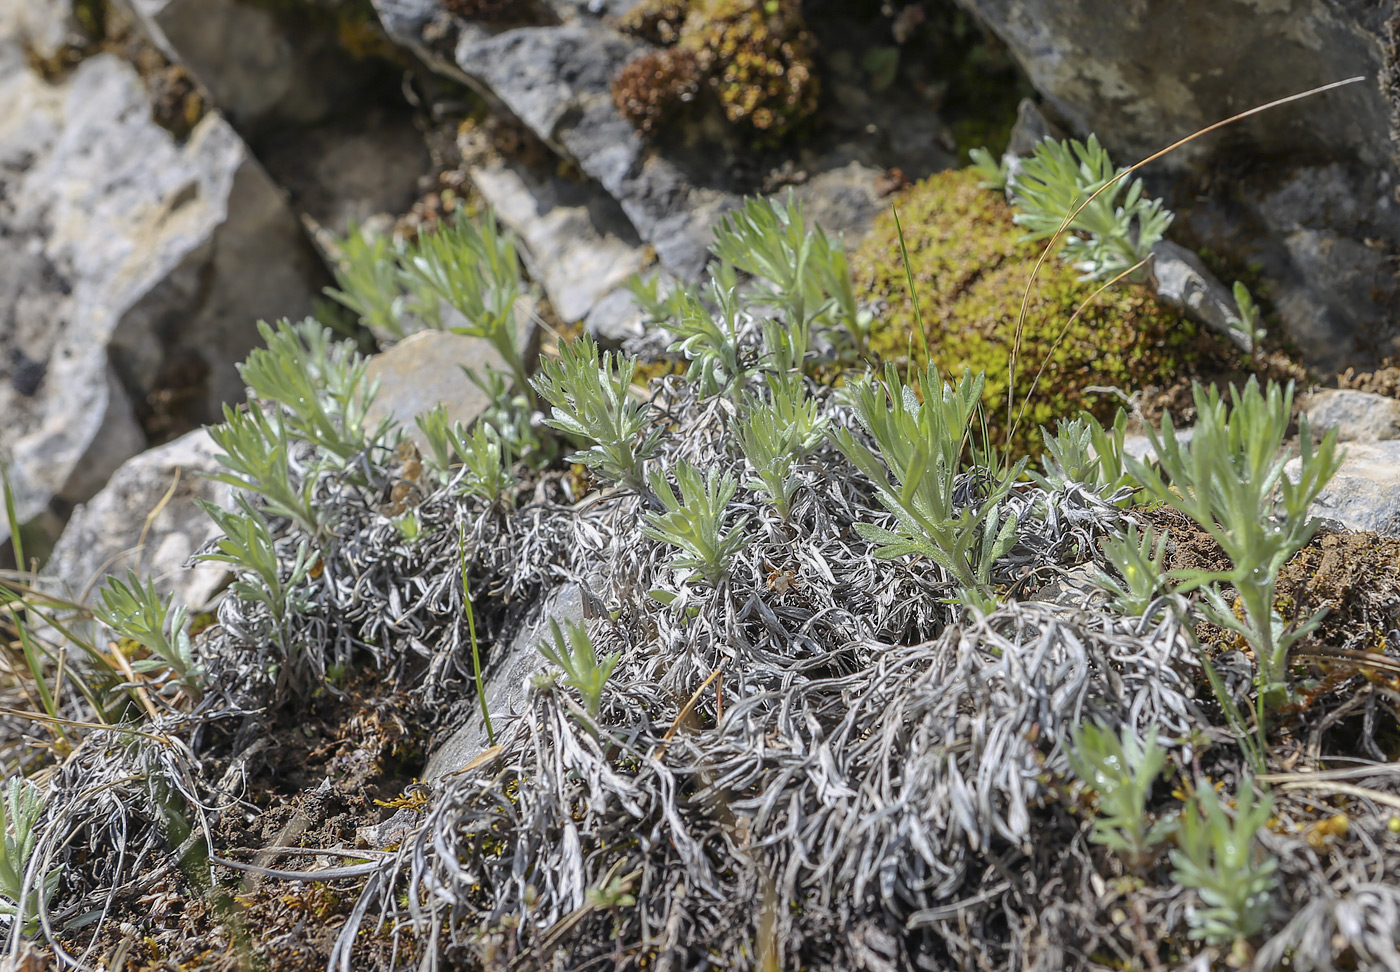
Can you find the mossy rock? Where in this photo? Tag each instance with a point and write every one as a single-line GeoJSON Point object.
{"type": "Point", "coordinates": [970, 269]}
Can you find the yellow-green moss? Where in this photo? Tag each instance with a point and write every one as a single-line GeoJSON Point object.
{"type": "Point", "coordinates": [971, 271]}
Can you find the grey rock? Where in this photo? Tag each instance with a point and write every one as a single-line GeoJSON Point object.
{"type": "Point", "coordinates": [1356, 415]}
{"type": "Point", "coordinates": [557, 80]}
{"type": "Point", "coordinates": [1031, 128]}
{"type": "Point", "coordinates": [146, 519]}
{"type": "Point", "coordinates": [615, 319]}
{"type": "Point", "coordinates": [262, 67]}
{"type": "Point", "coordinates": [1311, 181]}
{"type": "Point", "coordinates": [578, 244]}
{"type": "Point", "coordinates": [424, 370]}
{"type": "Point", "coordinates": [125, 252]}
{"type": "Point", "coordinates": [1183, 281]}
{"type": "Point", "coordinates": [1365, 492]}
{"type": "Point", "coordinates": [507, 683]}
{"type": "Point", "coordinates": [42, 26]}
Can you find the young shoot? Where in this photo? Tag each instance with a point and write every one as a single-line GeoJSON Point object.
{"type": "Point", "coordinates": [1121, 770]}
{"type": "Point", "coordinates": [801, 271]}
{"type": "Point", "coordinates": [249, 548]}
{"type": "Point", "coordinates": [993, 171]}
{"type": "Point", "coordinates": [319, 381]}
{"type": "Point", "coordinates": [256, 457]}
{"type": "Point", "coordinates": [1141, 570]}
{"type": "Point", "coordinates": [583, 670]}
{"type": "Point", "coordinates": [921, 444]}
{"type": "Point", "coordinates": [592, 401]}
{"type": "Point", "coordinates": [1218, 858]}
{"type": "Point", "coordinates": [475, 270]}
{"type": "Point", "coordinates": [367, 275]}
{"type": "Point", "coordinates": [20, 810]}
{"type": "Point", "coordinates": [694, 522]}
{"type": "Point", "coordinates": [1229, 479]}
{"type": "Point", "coordinates": [136, 612]}
{"type": "Point", "coordinates": [1117, 230]}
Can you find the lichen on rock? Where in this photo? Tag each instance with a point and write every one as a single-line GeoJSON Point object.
{"type": "Point", "coordinates": [971, 269]}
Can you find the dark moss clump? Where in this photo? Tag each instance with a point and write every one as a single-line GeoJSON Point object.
{"type": "Point", "coordinates": [656, 21]}
{"type": "Point", "coordinates": [754, 55]}
{"type": "Point", "coordinates": [758, 56]}
{"type": "Point", "coordinates": [971, 271]}
{"type": "Point", "coordinates": [654, 87]}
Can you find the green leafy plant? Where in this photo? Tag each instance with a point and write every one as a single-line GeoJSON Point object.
{"type": "Point", "coordinates": [256, 457]}
{"type": "Point", "coordinates": [1141, 569]}
{"type": "Point", "coordinates": [319, 381]}
{"type": "Point", "coordinates": [508, 419]}
{"type": "Point", "coordinates": [583, 670]}
{"type": "Point", "coordinates": [694, 521]}
{"type": "Point", "coordinates": [1118, 230]}
{"type": "Point", "coordinates": [368, 276]}
{"type": "Point", "coordinates": [475, 270]}
{"type": "Point", "coordinates": [921, 443]}
{"type": "Point", "coordinates": [993, 171]}
{"type": "Point", "coordinates": [486, 461]}
{"type": "Point", "coordinates": [709, 340]}
{"type": "Point", "coordinates": [801, 270]}
{"type": "Point", "coordinates": [1218, 858]}
{"type": "Point", "coordinates": [20, 810]}
{"type": "Point", "coordinates": [1248, 312]}
{"type": "Point", "coordinates": [1229, 479]}
{"type": "Point", "coordinates": [248, 546]}
{"type": "Point", "coordinates": [592, 401]}
{"type": "Point", "coordinates": [1121, 769]}
{"type": "Point", "coordinates": [135, 611]}
{"type": "Point", "coordinates": [775, 434]}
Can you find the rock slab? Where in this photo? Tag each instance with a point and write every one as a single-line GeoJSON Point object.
{"type": "Point", "coordinates": [129, 262]}
{"type": "Point", "coordinates": [146, 519]}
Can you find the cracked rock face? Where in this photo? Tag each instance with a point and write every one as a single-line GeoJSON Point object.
{"type": "Point", "coordinates": [1311, 183]}
{"type": "Point", "coordinates": [134, 270]}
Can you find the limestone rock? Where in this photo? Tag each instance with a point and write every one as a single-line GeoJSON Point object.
{"type": "Point", "coordinates": [1365, 493]}
{"type": "Point", "coordinates": [425, 370]}
{"type": "Point", "coordinates": [134, 267]}
{"type": "Point", "coordinates": [131, 523]}
{"type": "Point", "coordinates": [507, 683]}
{"type": "Point", "coordinates": [1183, 281]}
{"type": "Point", "coordinates": [578, 244]}
{"type": "Point", "coordinates": [261, 66]}
{"type": "Point", "coordinates": [1310, 194]}
{"type": "Point", "coordinates": [1357, 416]}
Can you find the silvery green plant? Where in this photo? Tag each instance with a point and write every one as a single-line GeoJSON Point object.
{"type": "Point", "coordinates": [256, 457]}
{"type": "Point", "coordinates": [921, 444]}
{"type": "Point", "coordinates": [368, 278]}
{"type": "Point", "coordinates": [1121, 769]}
{"type": "Point", "coordinates": [1141, 570]}
{"type": "Point", "coordinates": [800, 270]}
{"type": "Point", "coordinates": [1217, 857]}
{"type": "Point", "coordinates": [319, 381]}
{"type": "Point", "coordinates": [20, 810]}
{"type": "Point", "coordinates": [708, 339]}
{"type": "Point", "coordinates": [592, 401]}
{"type": "Point", "coordinates": [475, 270]}
{"type": "Point", "coordinates": [994, 172]}
{"type": "Point", "coordinates": [572, 651]}
{"type": "Point", "coordinates": [248, 547]}
{"type": "Point", "coordinates": [486, 460]}
{"type": "Point", "coordinates": [1229, 479]}
{"type": "Point", "coordinates": [1118, 229]}
{"type": "Point", "coordinates": [694, 522]}
{"type": "Point", "coordinates": [135, 611]}
{"type": "Point", "coordinates": [1248, 312]}
{"type": "Point", "coordinates": [509, 418]}
{"type": "Point", "coordinates": [771, 448]}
